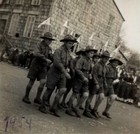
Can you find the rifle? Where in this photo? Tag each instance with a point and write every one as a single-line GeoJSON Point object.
{"type": "Point", "coordinates": [102, 45]}
{"type": "Point", "coordinates": [121, 53]}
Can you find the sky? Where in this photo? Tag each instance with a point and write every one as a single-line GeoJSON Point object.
{"type": "Point", "coordinates": [130, 10]}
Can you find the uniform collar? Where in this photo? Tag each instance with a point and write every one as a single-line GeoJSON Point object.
{"type": "Point", "coordinates": [87, 58]}
{"type": "Point", "coordinates": [112, 66]}
{"type": "Point", "coordinates": [65, 48]}
{"type": "Point", "coordinates": [102, 63]}
{"type": "Point", "coordinates": [44, 44]}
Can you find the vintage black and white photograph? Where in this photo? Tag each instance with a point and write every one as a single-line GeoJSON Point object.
{"type": "Point", "coordinates": [69, 67]}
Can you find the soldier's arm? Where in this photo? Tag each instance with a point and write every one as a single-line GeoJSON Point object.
{"type": "Point", "coordinates": [50, 55]}
{"type": "Point", "coordinates": [38, 52]}
{"type": "Point", "coordinates": [95, 75]}
{"type": "Point", "coordinates": [106, 71]}
{"type": "Point", "coordinates": [78, 68]}
{"type": "Point", "coordinates": [57, 61]}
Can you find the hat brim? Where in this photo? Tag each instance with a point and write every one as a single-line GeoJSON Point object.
{"type": "Point", "coordinates": [103, 56]}
{"type": "Point", "coordinates": [65, 40]}
{"type": "Point", "coordinates": [79, 52]}
{"type": "Point", "coordinates": [112, 60]}
{"type": "Point", "coordinates": [46, 38]}
{"type": "Point", "coordinates": [94, 50]}
{"type": "Point", "coordinates": [96, 56]}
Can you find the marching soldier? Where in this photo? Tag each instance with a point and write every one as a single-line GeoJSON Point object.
{"type": "Point", "coordinates": [111, 76]}
{"type": "Point", "coordinates": [81, 80]}
{"type": "Point", "coordinates": [38, 69]}
{"type": "Point", "coordinates": [69, 84]}
{"type": "Point", "coordinates": [92, 90]}
{"type": "Point", "coordinates": [58, 74]}
{"type": "Point", "coordinates": [98, 76]}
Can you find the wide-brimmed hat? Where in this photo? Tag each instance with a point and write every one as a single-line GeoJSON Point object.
{"type": "Point", "coordinates": [81, 51]}
{"type": "Point", "coordinates": [47, 35]}
{"type": "Point", "coordinates": [105, 54]}
{"type": "Point", "coordinates": [90, 48]}
{"type": "Point", "coordinates": [69, 38]}
{"type": "Point", "coordinates": [115, 59]}
{"type": "Point", "coordinates": [96, 55]}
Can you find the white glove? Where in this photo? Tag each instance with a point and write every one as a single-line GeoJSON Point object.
{"type": "Point", "coordinates": [116, 81]}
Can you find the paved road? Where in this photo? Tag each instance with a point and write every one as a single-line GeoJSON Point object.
{"type": "Point", "coordinates": [17, 117]}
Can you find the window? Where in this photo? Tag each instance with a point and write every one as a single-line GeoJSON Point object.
{"type": "Point", "coordinates": [29, 26]}
{"type": "Point", "coordinates": [4, 2]}
{"type": "Point", "coordinates": [7, 1]}
{"type": "Point", "coordinates": [91, 1]}
{"type": "Point", "coordinates": [1, 1]}
{"type": "Point", "coordinates": [19, 2]}
{"type": "Point", "coordinates": [109, 25]}
{"type": "Point", "coordinates": [86, 12]}
{"type": "Point", "coordinates": [35, 2]}
{"type": "Point", "coordinates": [13, 24]}
{"type": "Point", "coordinates": [62, 4]}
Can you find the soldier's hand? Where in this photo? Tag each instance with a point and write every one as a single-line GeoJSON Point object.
{"type": "Point", "coordinates": [97, 87]}
{"type": "Point", "coordinates": [86, 79]}
{"type": "Point", "coordinates": [39, 55]}
{"type": "Point", "coordinates": [48, 61]}
{"type": "Point", "coordinates": [105, 86]}
{"type": "Point", "coordinates": [115, 81]}
{"type": "Point", "coordinates": [90, 76]}
{"type": "Point", "coordinates": [67, 75]}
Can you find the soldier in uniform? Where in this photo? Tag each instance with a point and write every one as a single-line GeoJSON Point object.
{"type": "Point", "coordinates": [38, 68]}
{"type": "Point", "coordinates": [82, 72]}
{"type": "Point", "coordinates": [58, 74]}
{"type": "Point", "coordinates": [92, 90]}
{"type": "Point", "coordinates": [111, 76]}
{"type": "Point", "coordinates": [98, 76]}
{"type": "Point", "coordinates": [69, 84]}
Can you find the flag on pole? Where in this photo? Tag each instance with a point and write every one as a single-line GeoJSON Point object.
{"type": "Point", "coordinates": [71, 33]}
{"type": "Point", "coordinates": [46, 22]}
{"type": "Point", "coordinates": [62, 31]}
{"type": "Point", "coordinates": [79, 40]}
{"type": "Point", "coordinates": [94, 47]}
{"type": "Point", "coordinates": [127, 54]}
{"type": "Point", "coordinates": [116, 51]}
{"type": "Point", "coordinates": [66, 24]}
{"type": "Point", "coordinates": [106, 45]}
{"type": "Point", "coordinates": [91, 37]}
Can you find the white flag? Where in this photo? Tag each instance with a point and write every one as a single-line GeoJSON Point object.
{"type": "Point", "coordinates": [66, 24]}
{"type": "Point", "coordinates": [79, 40]}
{"type": "Point", "coordinates": [127, 54]}
{"type": "Point", "coordinates": [91, 37]}
{"type": "Point", "coordinates": [62, 31]}
{"type": "Point", "coordinates": [116, 51]}
{"type": "Point", "coordinates": [94, 47]}
{"type": "Point", "coordinates": [46, 22]}
{"type": "Point", "coordinates": [106, 45]}
{"type": "Point", "coordinates": [71, 33]}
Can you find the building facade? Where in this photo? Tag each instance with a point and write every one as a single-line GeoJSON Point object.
{"type": "Point", "coordinates": [94, 21]}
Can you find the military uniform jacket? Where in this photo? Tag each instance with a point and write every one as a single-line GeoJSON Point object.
{"type": "Point", "coordinates": [43, 53]}
{"type": "Point", "coordinates": [73, 65]}
{"type": "Point", "coordinates": [83, 67]}
{"type": "Point", "coordinates": [111, 75]}
{"type": "Point", "coordinates": [98, 74]}
{"type": "Point", "coordinates": [61, 59]}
